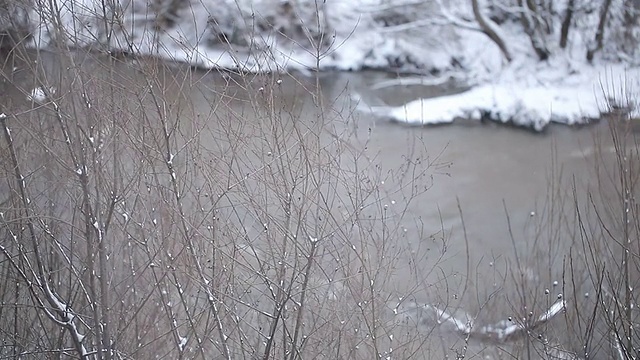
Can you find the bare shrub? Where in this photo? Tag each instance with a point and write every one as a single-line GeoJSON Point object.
{"type": "Point", "coordinates": [580, 260]}
{"type": "Point", "coordinates": [153, 210]}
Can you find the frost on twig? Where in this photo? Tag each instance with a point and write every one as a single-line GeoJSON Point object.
{"type": "Point", "coordinates": [620, 353]}
{"type": "Point", "coordinates": [36, 276]}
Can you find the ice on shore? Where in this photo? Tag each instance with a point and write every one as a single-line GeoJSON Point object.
{"type": "Point", "coordinates": [529, 107]}
{"type": "Point", "coordinates": [576, 99]}
{"type": "Point", "coordinates": [361, 34]}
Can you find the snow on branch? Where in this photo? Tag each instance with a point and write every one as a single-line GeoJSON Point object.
{"type": "Point", "coordinates": [448, 18]}
{"type": "Point", "coordinates": [36, 278]}
{"type": "Point", "coordinates": [391, 5]}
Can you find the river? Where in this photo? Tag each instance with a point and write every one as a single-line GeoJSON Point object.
{"type": "Point", "coordinates": [387, 200]}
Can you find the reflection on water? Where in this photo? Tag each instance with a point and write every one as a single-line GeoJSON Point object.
{"type": "Point", "coordinates": [502, 182]}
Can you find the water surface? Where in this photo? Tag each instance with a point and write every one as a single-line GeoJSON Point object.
{"type": "Point", "coordinates": [397, 193]}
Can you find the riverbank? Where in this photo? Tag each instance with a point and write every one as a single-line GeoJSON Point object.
{"type": "Point", "coordinates": [389, 215]}
{"type": "Point", "coordinates": [435, 42]}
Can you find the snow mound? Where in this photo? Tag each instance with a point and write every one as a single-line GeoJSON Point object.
{"type": "Point", "coordinates": [252, 35]}
{"type": "Point", "coordinates": [529, 107]}
{"type": "Point", "coordinates": [403, 36]}
{"type": "Point", "coordinates": [529, 102]}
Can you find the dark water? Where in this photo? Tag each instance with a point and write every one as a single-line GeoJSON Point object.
{"type": "Point", "coordinates": [508, 185]}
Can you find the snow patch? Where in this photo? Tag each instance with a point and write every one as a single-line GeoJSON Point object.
{"type": "Point", "coordinates": [40, 94]}
{"type": "Point", "coordinates": [529, 107]}
{"type": "Point", "coordinates": [182, 343]}
{"type": "Point", "coordinates": [531, 102]}
{"type": "Point", "coordinates": [425, 37]}
{"type": "Point", "coordinates": [254, 35]}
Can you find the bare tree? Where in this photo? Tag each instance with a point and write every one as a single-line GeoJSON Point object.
{"type": "Point", "coordinates": [599, 37]}
{"type": "Point", "coordinates": [153, 213]}
{"type": "Point", "coordinates": [566, 23]}
{"type": "Point", "coordinates": [532, 23]}
{"type": "Point", "coordinates": [630, 23]}
{"type": "Point", "coordinates": [490, 29]}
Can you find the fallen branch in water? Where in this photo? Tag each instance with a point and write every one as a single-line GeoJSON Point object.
{"type": "Point", "coordinates": [447, 78]}
{"type": "Point", "coordinates": [501, 332]}
{"type": "Point", "coordinates": [505, 330]}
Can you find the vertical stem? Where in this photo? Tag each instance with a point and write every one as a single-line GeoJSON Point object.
{"type": "Point", "coordinates": [488, 27]}
{"type": "Point", "coordinates": [299, 320]}
{"type": "Point", "coordinates": [599, 39]}
{"type": "Point", "coordinates": [566, 24]}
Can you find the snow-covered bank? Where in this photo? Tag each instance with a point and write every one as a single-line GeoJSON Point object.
{"type": "Point", "coordinates": [253, 35]}
{"type": "Point", "coordinates": [550, 95]}
{"type": "Point", "coordinates": [525, 92]}
{"type": "Point", "coordinates": [398, 35]}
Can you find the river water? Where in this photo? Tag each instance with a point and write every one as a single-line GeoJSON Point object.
{"type": "Point", "coordinates": [467, 211]}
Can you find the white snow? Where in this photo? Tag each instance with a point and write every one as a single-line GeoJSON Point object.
{"type": "Point", "coordinates": [362, 34]}
{"type": "Point", "coordinates": [533, 107]}
{"type": "Point", "coordinates": [524, 93]}
{"type": "Point", "coordinates": [354, 37]}
{"type": "Point", "coordinates": [460, 325]}
{"type": "Point", "coordinates": [183, 343]}
{"type": "Point", "coordinates": [553, 311]}
{"type": "Point", "coordinates": [39, 94]}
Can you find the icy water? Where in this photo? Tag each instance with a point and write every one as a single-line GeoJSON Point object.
{"type": "Point", "coordinates": [470, 207]}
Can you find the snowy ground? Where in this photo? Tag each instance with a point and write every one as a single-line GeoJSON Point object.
{"type": "Point", "coordinates": [564, 89]}
{"type": "Point", "coordinates": [546, 94]}
{"type": "Point", "coordinates": [265, 35]}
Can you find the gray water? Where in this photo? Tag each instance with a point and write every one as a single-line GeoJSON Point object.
{"type": "Point", "coordinates": [507, 184]}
